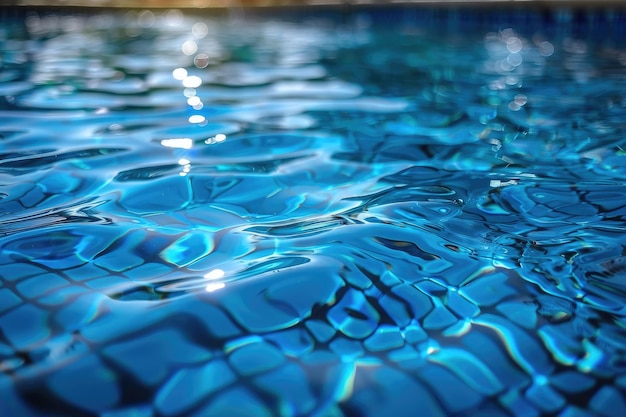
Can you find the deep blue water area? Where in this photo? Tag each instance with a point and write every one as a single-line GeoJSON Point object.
{"type": "Point", "coordinates": [353, 212]}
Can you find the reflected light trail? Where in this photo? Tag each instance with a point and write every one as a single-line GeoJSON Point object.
{"type": "Point", "coordinates": [212, 275]}
{"type": "Point", "coordinates": [192, 81]}
{"type": "Point", "coordinates": [196, 118]}
{"type": "Point", "coordinates": [220, 137]}
{"type": "Point", "coordinates": [181, 143]}
{"type": "Point", "coordinates": [214, 286]}
{"type": "Point", "coordinates": [179, 74]}
{"type": "Point", "coordinates": [215, 274]}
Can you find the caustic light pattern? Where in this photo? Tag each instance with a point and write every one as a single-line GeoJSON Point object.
{"type": "Point", "coordinates": [201, 218]}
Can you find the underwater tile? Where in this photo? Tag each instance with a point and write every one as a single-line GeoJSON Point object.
{"type": "Point", "coordinates": [368, 270]}
{"type": "Point", "coordinates": [121, 254]}
{"type": "Point", "coordinates": [552, 196]}
{"type": "Point", "coordinates": [572, 382]}
{"type": "Point", "coordinates": [488, 290]}
{"type": "Point", "coordinates": [573, 411]}
{"type": "Point", "coordinates": [418, 303]}
{"type": "Point", "coordinates": [151, 357]}
{"type": "Point", "coordinates": [518, 405]}
{"type": "Point", "coordinates": [249, 307]}
{"type": "Point", "coordinates": [423, 254]}
{"type": "Point", "coordinates": [452, 392]}
{"type": "Point", "coordinates": [303, 287]}
{"type": "Point", "coordinates": [188, 248]}
{"type": "Point", "coordinates": [347, 349]}
{"type": "Point", "coordinates": [407, 358]}
{"type": "Point", "coordinates": [357, 279]}
{"type": "Point", "coordinates": [12, 403]}
{"type": "Point", "coordinates": [5, 351]}
{"type": "Point", "coordinates": [608, 401]}
{"type": "Point", "coordinates": [457, 329]}
{"type": "Point", "coordinates": [33, 197]}
{"type": "Point", "coordinates": [594, 360]}
{"type": "Point", "coordinates": [321, 331]}
{"type": "Point", "coordinates": [608, 300]}
{"type": "Point", "coordinates": [136, 411]}
{"type": "Point", "coordinates": [461, 305]}
{"type": "Point", "coordinates": [85, 271]}
{"type": "Point", "coordinates": [87, 384]}
{"type": "Point", "coordinates": [555, 309]}
{"type": "Point", "coordinates": [320, 358]}
{"type": "Point", "coordinates": [469, 368]}
{"type": "Point", "coordinates": [292, 342]}
{"type": "Point", "coordinates": [19, 270]}
{"type": "Point", "coordinates": [64, 296]}
{"type": "Point", "coordinates": [8, 300]}
{"type": "Point", "coordinates": [389, 279]}
{"type": "Point", "coordinates": [608, 199]}
{"type": "Point", "coordinates": [498, 359]}
{"type": "Point", "coordinates": [544, 397]}
{"type": "Point", "coordinates": [564, 348]}
{"type": "Point", "coordinates": [208, 188]}
{"type": "Point", "coordinates": [231, 246]}
{"type": "Point", "coordinates": [579, 209]}
{"type": "Point", "coordinates": [522, 313]}
{"type": "Point", "coordinates": [414, 333]}
{"type": "Point", "coordinates": [191, 385]}
{"type": "Point", "coordinates": [237, 401]}
{"type": "Point", "coordinates": [526, 351]}
{"type": "Point", "coordinates": [36, 286]}
{"type": "Point", "coordinates": [384, 338]}
{"type": "Point", "coordinates": [59, 183]}
{"type": "Point", "coordinates": [118, 262]}
{"type": "Point", "coordinates": [389, 392]}
{"type": "Point", "coordinates": [105, 283]}
{"type": "Point", "coordinates": [24, 326]}
{"type": "Point", "coordinates": [256, 357]}
{"type": "Point", "coordinates": [614, 335]}
{"type": "Point", "coordinates": [84, 308]}
{"type": "Point", "coordinates": [439, 317]}
{"type": "Point", "coordinates": [353, 315]}
{"type": "Point", "coordinates": [158, 196]}
{"type": "Point", "coordinates": [491, 411]}
{"type": "Point", "coordinates": [289, 385]}
{"type": "Point", "coordinates": [335, 381]}
{"type": "Point", "coordinates": [213, 318]}
{"type": "Point", "coordinates": [147, 270]}
{"type": "Point", "coordinates": [395, 309]}
{"type": "Point", "coordinates": [432, 288]}
{"type": "Point", "coordinates": [61, 248]}
{"type": "Point", "coordinates": [13, 192]}
{"type": "Point", "coordinates": [621, 381]}
{"type": "Point", "coordinates": [520, 198]}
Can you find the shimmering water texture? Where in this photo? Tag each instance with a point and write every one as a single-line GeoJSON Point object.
{"type": "Point", "coordinates": [227, 217]}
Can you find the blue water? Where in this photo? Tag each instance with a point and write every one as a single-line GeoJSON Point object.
{"type": "Point", "coordinates": [326, 214]}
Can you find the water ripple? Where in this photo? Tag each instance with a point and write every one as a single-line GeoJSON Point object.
{"type": "Point", "coordinates": [384, 217]}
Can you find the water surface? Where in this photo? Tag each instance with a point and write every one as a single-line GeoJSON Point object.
{"type": "Point", "coordinates": [341, 214]}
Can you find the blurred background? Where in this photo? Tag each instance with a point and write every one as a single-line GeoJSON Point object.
{"type": "Point", "coordinates": [264, 3]}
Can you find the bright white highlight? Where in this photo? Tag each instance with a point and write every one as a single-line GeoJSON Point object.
{"type": "Point", "coordinates": [179, 73]}
{"type": "Point", "coordinates": [214, 274]}
{"type": "Point", "coordinates": [182, 143]}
